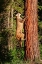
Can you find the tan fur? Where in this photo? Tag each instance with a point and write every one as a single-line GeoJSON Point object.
{"type": "Point", "coordinates": [20, 22]}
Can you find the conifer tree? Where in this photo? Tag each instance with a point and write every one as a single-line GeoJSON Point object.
{"type": "Point", "coordinates": [31, 30]}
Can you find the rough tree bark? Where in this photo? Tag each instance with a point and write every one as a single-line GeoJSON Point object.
{"type": "Point", "coordinates": [31, 30]}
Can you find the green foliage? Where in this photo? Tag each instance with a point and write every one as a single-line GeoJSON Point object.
{"type": "Point", "coordinates": [40, 7]}
{"type": "Point", "coordinates": [19, 6]}
{"type": "Point", "coordinates": [41, 51]}
{"type": "Point", "coordinates": [40, 26]}
{"type": "Point", "coordinates": [40, 21]}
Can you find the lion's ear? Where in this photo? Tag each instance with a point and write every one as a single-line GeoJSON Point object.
{"type": "Point", "coordinates": [18, 14]}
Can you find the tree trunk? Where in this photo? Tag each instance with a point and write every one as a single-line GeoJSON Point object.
{"type": "Point", "coordinates": [12, 14]}
{"type": "Point", "coordinates": [10, 43]}
{"type": "Point", "coordinates": [31, 30]}
{"type": "Point", "coordinates": [10, 26]}
{"type": "Point", "coordinates": [12, 17]}
{"type": "Point", "coordinates": [9, 17]}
